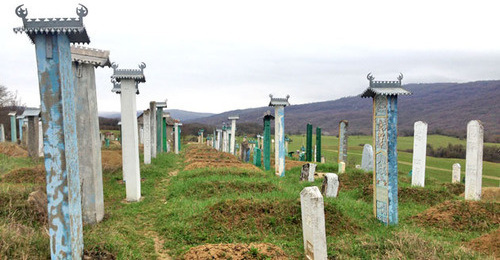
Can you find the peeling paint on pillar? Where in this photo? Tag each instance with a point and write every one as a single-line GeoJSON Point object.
{"type": "Point", "coordinates": [280, 138]}
{"type": "Point", "coordinates": [60, 145]}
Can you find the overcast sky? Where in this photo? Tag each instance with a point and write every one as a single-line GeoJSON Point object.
{"type": "Point", "coordinates": [214, 56]}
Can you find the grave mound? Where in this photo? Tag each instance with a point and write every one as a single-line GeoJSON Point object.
{"type": "Point", "coordinates": [236, 251]}
{"type": "Point", "coordinates": [488, 194]}
{"type": "Point", "coordinates": [15, 204]}
{"type": "Point", "coordinates": [209, 189]}
{"type": "Point", "coordinates": [201, 156]}
{"type": "Point", "coordinates": [111, 160]}
{"type": "Point", "coordinates": [461, 216]}
{"type": "Point", "coordinates": [455, 188]}
{"type": "Point", "coordinates": [283, 216]}
{"type": "Point", "coordinates": [34, 174]}
{"type": "Point", "coordinates": [98, 253]}
{"type": "Point", "coordinates": [12, 150]}
{"type": "Point", "coordinates": [487, 244]}
{"type": "Point", "coordinates": [354, 180]}
{"type": "Point", "coordinates": [425, 196]}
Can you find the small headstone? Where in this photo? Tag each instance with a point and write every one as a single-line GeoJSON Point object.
{"type": "Point", "coordinates": [304, 174]}
{"type": "Point", "coordinates": [367, 159]}
{"type": "Point", "coordinates": [38, 201]}
{"type": "Point", "coordinates": [313, 223]}
{"type": "Point", "coordinates": [474, 160]}
{"type": "Point", "coordinates": [312, 170]}
{"type": "Point", "coordinates": [357, 166]}
{"type": "Point", "coordinates": [419, 152]}
{"type": "Point", "coordinates": [455, 176]}
{"type": "Point", "coordinates": [330, 187]}
{"type": "Point", "coordinates": [323, 160]}
{"type": "Point", "coordinates": [341, 167]}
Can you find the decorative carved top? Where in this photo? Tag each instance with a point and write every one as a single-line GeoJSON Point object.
{"type": "Point", "coordinates": [268, 115]}
{"type": "Point", "coordinates": [279, 101]}
{"type": "Point", "coordinates": [233, 118]}
{"type": "Point", "coordinates": [96, 57]}
{"type": "Point", "coordinates": [31, 111]}
{"type": "Point", "coordinates": [135, 74]}
{"type": "Point", "coordinates": [386, 88]}
{"type": "Point", "coordinates": [20, 117]}
{"type": "Point", "coordinates": [73, 27]}
{"type": "Point", "coordinates": [162, 104]}
{"type": "Point", "coordinates": [13, 113]}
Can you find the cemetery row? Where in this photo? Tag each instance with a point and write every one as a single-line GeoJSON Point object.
{"type": "Point", "coordinates": [72, 143]}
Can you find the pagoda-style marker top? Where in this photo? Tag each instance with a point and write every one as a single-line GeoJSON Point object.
{"type": "Point", "coordinates": [137, 75]}
{"type": "Point", "coordinates": [73, 27]}
{"type": "Point", "coordinates": [161, 104]}
{"type": "Point", "coordinates": [233, 118]}
{"type": "Point", "coordinates": [31, 111]}
{"type": "Point", "coordinates": [13, 113]}
{"type": "Point", "coordinates": [279, 101]}
{"type": "Point", "coordinates": [386, 88]}
{"type": "Point", "coordinates": [20, 117]}
{"type": "Point", "coordinates": [268, 115]}
{"type": "Point", "coordinates": [98, 58]}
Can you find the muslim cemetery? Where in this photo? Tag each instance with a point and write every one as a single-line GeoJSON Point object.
{"type": "Point", "coordinates": [382, 180]}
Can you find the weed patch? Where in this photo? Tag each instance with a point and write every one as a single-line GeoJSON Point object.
{"type": "Point", "coordinates": [12, 150]}
{"type": "Point", "coordinates": [111, 160]}
{"type": "Point", "coordinates": [487, 244]}
{"type": "Point", "coordinates": [34, 174]}
{"type": "Point", "coordinates": [424, 196]}
{"type": "Point", "coordinates": [209, 189]}
{"type": "Point", "coordinates": [236, 252]}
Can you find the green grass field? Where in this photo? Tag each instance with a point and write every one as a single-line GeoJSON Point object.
{"type": "Point", "coordinates": [437, 168]}
{"type": "Point", "coordinates": [186, 208]}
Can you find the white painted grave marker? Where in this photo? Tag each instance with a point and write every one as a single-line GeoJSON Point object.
{"type": "Point", "coordinates": [313, 223]}
{"type": "Point", "coordinates": [419, 153]}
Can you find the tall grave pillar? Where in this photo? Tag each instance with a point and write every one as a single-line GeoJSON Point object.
{"type": "Point", "coordinates": [309, 142]}
{"type": "Point", "coordinates": [126, 82]}
{"type": "Point", "coordinates": [159, 125]}
{"type": "Point", "coordinates": [474, 160]}
{"type": "Point", "coordinates": [87, 128]}
{"type": "Point", "coordinates": [32, 115]}
{"type": "Point", "coordinates": [52, 38]}
{"type": "Point", "coordinates": [218, 140]}
{"type": "Point", "coordinates": [419, 152]}
{"type": "Point", "coordinates": [2, 134]}
{"type": "Point", "coordinates": [267, 140]}
{"type": "Point", "coordinates": [343, 137]}
{"type": "Point", "coordinates": [153, 132]}
{"type": "Point", "coordinates": [385, 172]}
{"type": "Point", "coordinates": [318, 144]}
{"type": "Point", "coordinates": [147, 136]}
{"type": "Point", "coordinates": [233, 133]}
{"type": "Point", "coordinates": [279, 133]}
{"type": "Point", "coordinates": [20, 121]}
{"type": "Point", "coordinates": [13, 131]}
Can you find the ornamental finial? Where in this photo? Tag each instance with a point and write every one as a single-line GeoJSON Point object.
{"type": "Point", "coordinates": [82, 11]}
{"type": "Point", "coordinates": [142, 66]}
{"type": "Point", "coordinates": [21, 12]}
{"type": "Point", "coordinates": [370, 77]}
{"type": "Point", "coordinates": [400, 77]}
{"type": "Point", "coordinates": [271, 95]}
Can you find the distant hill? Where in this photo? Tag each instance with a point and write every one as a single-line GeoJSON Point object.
{"type": "Point", "coordinates": [446, 107]}
{"type": "Point", "coordinates": [175, 113]}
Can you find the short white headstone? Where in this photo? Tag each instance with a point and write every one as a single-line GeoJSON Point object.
{"type": "Point", "coordinates": [419, 153]}
{"type": "Point", "coordinates": [313, 223]}
{"type": "Point", "coordinates": [312, 170]}
{"type": "Point", "coordinates": [455, 176]}
{"type": "Point", "coordinates": [330, 187]}
{"type": "Point", "coordinates": [323, 160]}
{"type": "Point", "coordinates": [474, 160]}
{"type": "Point", "coordinates": [341, 167]}
{"type": "Point", "coordinates": [367, 158]}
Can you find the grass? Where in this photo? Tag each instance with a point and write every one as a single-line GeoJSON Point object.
{"type": "Point", "coordinates": [437, 168]}
{"type": "Point", "coordinates": [186, 208]}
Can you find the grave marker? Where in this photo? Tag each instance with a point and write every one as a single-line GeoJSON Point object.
{"type": "Point", "coordinates": [309, 142]}
{"type": "Point", "coordinates": [279, 133]}
{"type": "Point", "coordinates": [153, 127]}
{"type": "Point", "coordinates": [20, 121]}
{"type": "Point", "coordinates": [419, 153]}
{"type": "Point", "coordinates": [367, 158]}
{"type": "Point", "coordinates": [341, 167]}
{"type": "Point", "coordinates": [147, 136]}
{"type": "Point", "coordinates": [126, 83]}
{"type": "Point", "coordinates": [33, 139]}
{"type": "Point", "coordinates": [318, 144]}
{"type": "Point", "coordinates": [330, 187]}
{"type": "Point", "coordinates": [343, 137]}
{"type": "Point", "coordinates": [267, 139]}
{"type": "Point", "coordinates": [2, 134]}
{"type": "Point", "coordinates": [474, 160]}
{"type": "Point", "coordinates": [313, 223]}
{"type": "Point", "coordinates": [455, 176]}
{"type": "Point", "coordinates": [159, 126]}
{"type": "Point", "coordinates": [385, 180]}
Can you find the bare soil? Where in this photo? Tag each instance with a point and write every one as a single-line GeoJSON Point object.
{"type": "Point", "coordinates": [236, 252]}
{"type": "Point", "coordinates": [461, 216]}
{"type": "Point", "coordinates": [488, 244]}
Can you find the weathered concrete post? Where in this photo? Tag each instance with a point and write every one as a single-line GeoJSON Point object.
{"type": "Point", "coordinates": [330, 186]}
{"type": "Point", "coordinates": [218, 141]}
{"type": "Point", "coordinates": [32, 115]}
{"type": "Point", "coordinates": [126, 83]}
{"type": "Point", "coordinates": [455, 176]}
{"type": "Point", "coordinates": [309, 141]}
{"type": "Point", "coordinates": [225, 138]}
{"type": "Point", "coordinates": [267, 140]}
{"type": "Point", "coordinates": [121, 139]}
{"type": "Point", "coordinates": [474, 160]}
{"type": "Point", "coordinates": [341, 167]}
{"type": "Point", "coordinates": [40, 139]}
{"type": "Point", "coordinates": [20, 121]}
{"type": "Point", "coordinates": [313, 223]}
{"type": "Point", "coordinates": [419, 153]}
{"type": "Point", "coordinates": [367, 158]}
{"type": "Point", "coordinates": [2, 134]}
{"type": "Point", "coordinates": [279, 105]}
{"type": "Point", "coordinates": [13, 132]}
{"type": "Point", "coordinates": [147, 136]}
{"type": "Point", "coordinates": [343, 137]}
{"type": "Point", "coordinates": [318, 144]}
{"type": "Point", "coordinates": [159, 125]}
{"type": "Point", "coordinates": [176, 138]}
{"type": "Point", "coordinates": [52, 38]}
{"type": "Point", "coordinates": [385, 172]}
{"type": "Point", "coordinates": [87, 129]}
{"type": "Point", "coordinates": [153, 133]}
{"type": "Point", "coordinates": [233, 133]}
